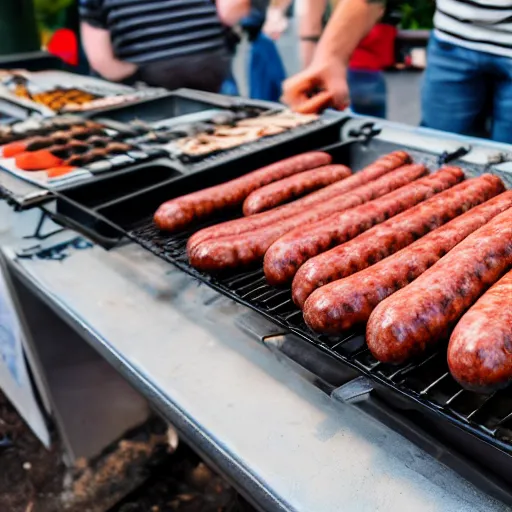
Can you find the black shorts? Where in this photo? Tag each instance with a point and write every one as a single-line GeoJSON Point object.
{"type": "Point", "coordinates": [202, 71]}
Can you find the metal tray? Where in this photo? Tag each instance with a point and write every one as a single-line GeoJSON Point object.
{"type": "Point", "coordinates": [173, 104]}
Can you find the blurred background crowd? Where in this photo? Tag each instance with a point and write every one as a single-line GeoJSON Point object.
{"type": "Point", "coordinates": [229, 46]}
{"type": "Point", "coordinates": [367, 55]}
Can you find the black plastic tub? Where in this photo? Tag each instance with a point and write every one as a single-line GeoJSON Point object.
{"type": "Point", "coordinates": [105, 206]}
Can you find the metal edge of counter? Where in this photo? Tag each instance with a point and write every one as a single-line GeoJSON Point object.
{"type": "Point", "coordinates": [233, 470]}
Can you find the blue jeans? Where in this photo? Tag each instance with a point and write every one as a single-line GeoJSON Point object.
{"type": "Point", "coordinates": [367, 92]}
{"type": "Point", "coordinates": [463, 88]}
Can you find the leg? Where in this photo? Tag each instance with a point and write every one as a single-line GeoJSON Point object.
{"type": "Point", "coordinates": [502, 102]}
{"type": "Point", "coordinates": [454, 89]}
{"type": "Point", "coordinates": [367, 92]}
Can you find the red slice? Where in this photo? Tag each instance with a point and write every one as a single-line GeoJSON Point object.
{"type": "Point", "coordinates": [37, 160]}
{"type": "Point", "coordinates": [14, 148]}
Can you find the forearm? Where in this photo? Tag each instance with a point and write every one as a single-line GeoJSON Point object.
{"type": "Point", "coordinates": [231, 12]}
{"type": "Point", "coordinates": [310, 21]}
{"type": "Point", "coordinates": [113, 69]}
{"type": "Point", "coordinates": [349, 24]}
{"type": "Point", "coordinates": [282, 5]}
{"type": "Point", "coordinates": [100, 54]}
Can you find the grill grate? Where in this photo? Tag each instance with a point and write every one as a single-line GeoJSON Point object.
{"type": "Point", "coordinates": [427, 381]}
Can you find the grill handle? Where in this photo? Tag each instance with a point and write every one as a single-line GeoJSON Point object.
{"type": "Point", "coordinates": [357, 390]}
{"type": "Point", "coordinates": [446, 157]}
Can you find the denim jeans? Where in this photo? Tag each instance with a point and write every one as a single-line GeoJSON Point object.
{"type": "Point", "coordinates": [367, 92]}
{"type": "Point", "coordinates": [463, 88]}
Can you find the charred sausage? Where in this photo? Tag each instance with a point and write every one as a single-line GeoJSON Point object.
{"type": "Point", "coordinates": [283, 191]}
{"type": "Point", "coordinates": [480, 348]}
{"type": "Point", "coordinates": [180, 212]}
{"type": "Point", "coordinates": [418, 316]}
{"type": "Point", "coordinates": [287, 254]}
{"type": "Point", "coordinates": [240, 250]}
{"type": "Point", "coordinates": [343, 304]}
{"type": "Point", "coordinates": [235, 227]}
{"type": "Point", "coordinates": [389, 237]}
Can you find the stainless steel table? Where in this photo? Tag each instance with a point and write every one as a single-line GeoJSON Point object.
{"type": "Point", "coordinates": [281, 440]}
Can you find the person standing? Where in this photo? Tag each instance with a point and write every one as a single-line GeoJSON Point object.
{"type": "Point", "coordinates": [469, 66]}
{"type": "Point", "coordinates": [165, 43]}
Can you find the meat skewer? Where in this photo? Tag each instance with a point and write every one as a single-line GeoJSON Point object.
{"type": "Point", "coordinates": [180, 212]}
{"type": "Point", "coordinates": [418, 316]}
{"type": "Point", "coordinates": [479, 352]}
{"type": "Point", "coordinates": [235, 227]}
{"type": "Point", "coordinates": [240, 250]}
{"type": "Point", "coordinates": [98, 154]}
{"type": "Point", "coordinates": [389, 237]}
{"type": "Point", "coordinates": [287, 254]}
{"type": "Point", "coordinates": [282, 191]}
{"type": "Point", "coordinates": [348, 302]}
{"type": "Point", "coordinates": [82, 133]}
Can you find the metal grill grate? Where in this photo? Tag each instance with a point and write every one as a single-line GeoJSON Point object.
{"type": "Point", "coordinates": [426, 382]}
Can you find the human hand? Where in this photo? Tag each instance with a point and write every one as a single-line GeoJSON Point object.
{"type": "Point", "coordinates": [323, 84]}
{"type": "Point", "coordinates": [275, 23]}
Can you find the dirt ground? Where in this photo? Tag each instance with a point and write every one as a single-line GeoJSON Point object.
{"type": "Point", "coordinates": [141, 473]}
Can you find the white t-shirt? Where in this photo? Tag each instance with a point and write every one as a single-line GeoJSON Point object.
{"type": "Point", "coordinates": [476, 24]}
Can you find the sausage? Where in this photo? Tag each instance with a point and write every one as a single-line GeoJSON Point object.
{"type": "Point", "coordinates": [287, 254]}
{"type": "Point", "coordinates": [283, 191]}
{"type": "Point", "coordinates": [391, 236]}
{"type": "Point", "coordinates": [180, 212]}
{"type": "Point", "coordinates": [348, 302]}
{"type": "Point", "coordinates": [480, 348]}
{"type": "Point", "coordinates": [235, 227]}
{"type": "Point", "coordinates": [418, 316]}
{"type": "Point", "coordinates": [240, 250]}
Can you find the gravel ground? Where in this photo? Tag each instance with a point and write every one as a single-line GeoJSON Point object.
{"type": "Point", "coordinates": [144, 472]}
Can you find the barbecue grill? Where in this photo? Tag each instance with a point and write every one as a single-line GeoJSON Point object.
{"type": "Point", "coordinates": [478, 426]}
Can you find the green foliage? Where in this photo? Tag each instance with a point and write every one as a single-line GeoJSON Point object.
{"type": "Point", "coordinates": [51, 7]}
{"type": "Point", "coordinates": [50, 14]}
{"type": "Point", "coordinates": [416, 14]}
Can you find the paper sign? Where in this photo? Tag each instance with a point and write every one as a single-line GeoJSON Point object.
{"type": "Point", "coordinates": [14, 378]}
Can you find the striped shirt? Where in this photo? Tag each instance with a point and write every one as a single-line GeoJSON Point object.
{"type": "Point", "coordinates": [144, 31]}
{"type": "Point", "coordinates": [476, 24]}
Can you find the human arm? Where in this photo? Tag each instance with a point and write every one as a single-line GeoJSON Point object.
{"type": "Point", "coordinates": [276, 21]}
{"type": "Point", "coordinates": [310, 17]}
{"type": "Point", "coordinates": [231, 12]}
{"type": "Point", "coordinates": [324, 82]}
{"type": "Point", "coordinates": [99, 51]}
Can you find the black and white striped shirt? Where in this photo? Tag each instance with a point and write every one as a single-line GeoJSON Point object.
{"type": "Point", "coordinates": [144, 31]}
{"type": "Point", "coordinates": [476, 24]}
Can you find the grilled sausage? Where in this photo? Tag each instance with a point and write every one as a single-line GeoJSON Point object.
{"type": "Point", "coordinates": [235, 227]}
{"type": "Point", "coordinates": [343, 304]}
{"type": "Point", "coordinates": [283, 191]}
{"type": "Point", "coordinates": [480, 348]}
{"type": "Point", "coordinates": [180, 212]}
{"type": "Point", "coordinates": [234, 251]}
{"type": "Point", "coordinates": [287, 254]}
{"type": "Point", "coordinates": [418, 316]}
{"type": "Point", "coordinates": [391, 236]}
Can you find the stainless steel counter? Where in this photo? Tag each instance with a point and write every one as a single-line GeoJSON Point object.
{"type": "Point", "coordinates": [286, 444]}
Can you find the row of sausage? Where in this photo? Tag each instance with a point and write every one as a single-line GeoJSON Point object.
{"type": "Point", "coordinates": [408, 253]}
